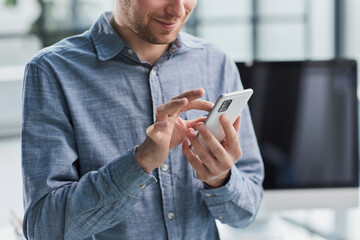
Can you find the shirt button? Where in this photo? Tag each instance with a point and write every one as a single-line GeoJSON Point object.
{"type": "Point", "coordinates": [142, 186]}
{"type": "Point", "coordinates": [220, 217]}
{"type": "Point", "coordinates": [153, 72]}
{"type": "Point", "coordinates": [165, 167]}
{"type": "Point", "coordinates": [130, 51]}
{"type": "Point", "coordinates": [208, 195]}
{"type": "Point", "coordinates": [171, 215]}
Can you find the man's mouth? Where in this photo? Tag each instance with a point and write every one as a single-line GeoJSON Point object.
{"type": "Point", "coordinates": [167, 25]}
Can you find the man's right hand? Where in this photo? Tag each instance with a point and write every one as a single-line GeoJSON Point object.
{"type": "Point", "coordinates": [169, 130]}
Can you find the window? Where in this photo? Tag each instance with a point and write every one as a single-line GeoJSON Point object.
{"type": "Point", "coordinates": [267, 29]}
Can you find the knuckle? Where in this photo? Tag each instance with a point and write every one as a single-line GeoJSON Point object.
{"type": "Point", "coordinates": [238, 154]}
{"type": "Point", "coordinates": [158, 110]}
{"type": "Point", "coordinates": [205, 159]}
{"type": "Point", "coordinates": [228, 165]}
{"type": "Point", "coordinates": [218, 151]}
{"type": "Point", "coordinates": [234, 138]}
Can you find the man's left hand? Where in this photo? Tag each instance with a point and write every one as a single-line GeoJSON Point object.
{"type": "Point", "coordinates": [213, 166]}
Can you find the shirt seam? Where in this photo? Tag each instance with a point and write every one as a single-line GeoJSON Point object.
{"type": "Point", "coordinates": [56, 49]}
{"type": "Point", "coordinates": [44, 70]}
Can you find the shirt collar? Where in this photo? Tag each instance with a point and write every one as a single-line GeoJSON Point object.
{"type": "Point", "coordinates": [190, 41]}
{"type": "Point", "coordinates": [108, 43]}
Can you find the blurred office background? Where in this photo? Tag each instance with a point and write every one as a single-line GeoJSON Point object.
{"type": "Point", "coordinates": [266, 30]}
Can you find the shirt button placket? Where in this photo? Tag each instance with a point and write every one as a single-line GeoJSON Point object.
{"type": "Point", "coordinates": [164, 167]}
{"type": "Point", "coordinates": [156, 94]}
{"type": "Point", "coordinates": [153, 72]}
{"type": "Point", "coordinates": [165, 180]}
{"type": "Point", "coordinates": [171, 215]}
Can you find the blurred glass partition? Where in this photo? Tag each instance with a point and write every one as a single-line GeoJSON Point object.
{"type": "Point", "coordinates": [268, 29]}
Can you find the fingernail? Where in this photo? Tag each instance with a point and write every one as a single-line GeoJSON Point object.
{"type": "Point", "coordinates": [192, 132]}
{"type": "Point", "coordinates": [201, 127]}
{"type": "Point", "coordinates": [180, 101]}
{"type": "Point", "coordinates": [225, 118]}
{"type": "Point", "coordinates": [162, 124]}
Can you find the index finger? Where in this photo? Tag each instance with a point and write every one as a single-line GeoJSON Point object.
{"type": "Point", "coordinates": [199, 105]}
{"type": "Point", "coordinates": [170, 108]}
{"type": "Point", "coordinates": [192, 94]}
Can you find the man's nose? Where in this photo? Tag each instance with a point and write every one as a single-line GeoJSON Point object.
{"type": "Point", "coordinates": [176, 8]}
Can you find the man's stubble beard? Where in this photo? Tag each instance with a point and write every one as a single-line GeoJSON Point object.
{"type": "Point", "coordinates": [145, 32]}
{"type": "Point", "coordinates": [147, 35]}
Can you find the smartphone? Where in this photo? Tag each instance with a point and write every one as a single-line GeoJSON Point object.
{"type": "Point", "coordinates": [230, 104]}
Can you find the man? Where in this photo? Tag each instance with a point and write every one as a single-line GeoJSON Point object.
{"type": "Point", "coordinates": [104, 147]}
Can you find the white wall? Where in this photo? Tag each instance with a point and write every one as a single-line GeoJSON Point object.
{"type": "Point", "coordinates": [321, 29]}
{"type": "Point", "coordinates": [352, 29]}
{"type": "Point", "coordinates": [352, 33]}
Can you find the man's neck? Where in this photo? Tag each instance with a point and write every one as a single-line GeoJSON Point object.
{"type": "Point", "coordinates": [145, 50]}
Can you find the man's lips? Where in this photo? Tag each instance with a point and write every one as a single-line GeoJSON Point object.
{"type": "Point", "coordinates": [168, 25]}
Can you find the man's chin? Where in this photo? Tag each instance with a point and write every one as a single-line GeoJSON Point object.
{"type": "Point", "coordinates": [156, 37]}
{"type": "Point", "coordinates": [165, 39]}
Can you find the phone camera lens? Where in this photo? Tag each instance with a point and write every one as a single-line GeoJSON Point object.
{"type": "Point", "coordinates": [225, 105]}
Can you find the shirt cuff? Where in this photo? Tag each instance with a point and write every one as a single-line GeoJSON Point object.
{"type": "Point", "coordinates": [128, 175]}
{"type": "Point", "coordinates": [216, 196]}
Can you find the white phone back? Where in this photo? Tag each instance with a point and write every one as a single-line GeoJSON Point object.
{"type": "Point", "coordinates": [239, 100]}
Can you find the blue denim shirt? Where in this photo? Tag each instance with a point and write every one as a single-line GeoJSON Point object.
{"type": "Point", "coordinates": [87, 102]}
